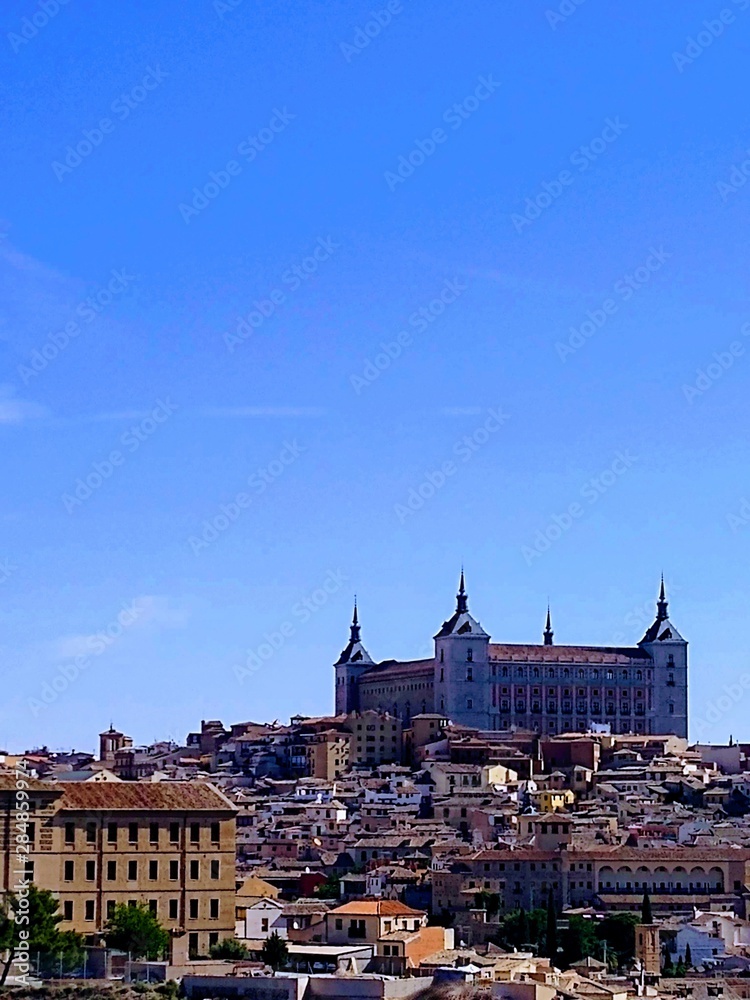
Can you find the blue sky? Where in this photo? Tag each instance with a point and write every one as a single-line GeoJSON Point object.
{"type": "Point", "coordinates": [305, 299]}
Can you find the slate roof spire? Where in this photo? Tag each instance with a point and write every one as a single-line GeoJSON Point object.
{"type": "Point", "coordinates": [354, 629]}
{"type": "Point", "coordinates": [548, 633]}
{"type": "Point", "coordinates": [661, 604]}
{"type": "Point", "coordinates": [462, 599]}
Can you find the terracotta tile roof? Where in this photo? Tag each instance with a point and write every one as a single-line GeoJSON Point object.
{"type": "Point", "coordinates": [516, 854]}
{"type": "Point", "coordinates": [8, 784]}
{"type": "Point", "coordinates": [176, 796]}
{"type": "Point", "coordinates": [618, 853]}
{"type": "Point", "coordinates": [567, 654]}
{"type": "Point", "coordinates": [398, 668]}
{"type": "Point", "coordinates": [377, 907]}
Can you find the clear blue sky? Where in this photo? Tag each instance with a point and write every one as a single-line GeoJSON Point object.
{"type": "Point", "coordinates": [520, 165]}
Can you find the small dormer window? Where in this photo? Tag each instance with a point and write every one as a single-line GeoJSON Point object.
{"type": "Point", "coordinates": [469, 654]}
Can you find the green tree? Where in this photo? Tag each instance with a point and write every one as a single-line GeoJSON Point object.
{"type": "Point", "coordinates": [489, 901]}
{"type": "Point", "coordinates": [520, 929]}
{"type": "Point", "coordinates": [229, 948]}
{"type": "Point", "coordinates": [688, 957]}
{"type": "Point", "coordinates": [275, 952]}
{"type": "Point", "coordinates": [36, 912]}
{"type": "Point", "coordinates": [647, 916]}
{"type": "Point", "coordinates": [618, 930]}
{"type": "Point", "coordinates": [136, 930]}
{"type": "Point", "coordinates": [550, 937]}
{"type": "Point", "coordinates": [667, 968]}
{"type": "Point", "coordinates": [579, 939]}
{"type": "Point", "coordinates": [330, 889]}
{"type": "Point", "coordinates": [523, 928]}
{"type": "Point", "coordinates": [679, 972]}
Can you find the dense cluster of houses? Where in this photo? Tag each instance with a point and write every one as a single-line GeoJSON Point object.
{"type": "Point", "coordinates": [382, 854]}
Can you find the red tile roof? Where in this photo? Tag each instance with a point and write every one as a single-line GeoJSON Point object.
{"type": "Point", "coordinates": [378, 907]}
{"type": "Point", "coordinates": [567, 654]}
{"type": "Point", "coordinates": [173, 796]}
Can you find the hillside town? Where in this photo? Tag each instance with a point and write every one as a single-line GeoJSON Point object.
{"type": "Point", "coordinates": [350, 855]}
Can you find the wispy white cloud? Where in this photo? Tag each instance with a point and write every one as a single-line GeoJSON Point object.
{"type": "Point", "coordinates": [17, 411]}
{"type": "Point", "coordinates": [244, 412]}
{"type": "Point", "coordinates": [460, 411]}
{"type": "Point", "coordinates": [148, 610]}
{"type": "Point", "coordinates": [156, 610]}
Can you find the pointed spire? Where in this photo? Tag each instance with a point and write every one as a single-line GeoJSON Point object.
{"type": "Point", "coordinates": [354, 634]}
{"type": "Point", "coordinates": [462, 600]}
{"type": "Point", "coordinates": [661, 604]}
{"type": "Point", "coordinates": [548, 633]}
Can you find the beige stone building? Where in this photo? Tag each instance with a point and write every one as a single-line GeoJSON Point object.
{"type": "Point", "coordinates": [169, 846]}
{"type": "Point", "coordinates": [328, 754]}
{"type": "Point", "coordinates": [376, 738]}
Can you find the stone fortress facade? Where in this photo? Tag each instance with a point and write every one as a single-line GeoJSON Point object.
{"type": "Point", "coordinates": [545, 688]}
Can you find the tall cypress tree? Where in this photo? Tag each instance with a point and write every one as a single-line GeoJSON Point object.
{"type": "Point", "coordinates": [688, 956]}
{"type": "Point", "coordinates": [523, 928]}
{"type": "Point", "coordinates": [551, 941]}
{"type": "Point", "coordinates": [646, 914]}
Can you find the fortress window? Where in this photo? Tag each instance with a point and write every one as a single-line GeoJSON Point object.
{"type": "Point", "coordinates": [610, 675]}
{"type": "Point", "coordinates": [469, 703]}
{"type": "Point", "coordinates": [566, 672]}
{"type": "Point", "coordinates": [671, 708]}
{"type": "Point", "coordinates": [670, 658]}
{"type": "Point", "coordinates": [469, 674]}
{"type": "Point", "coordinates": [470, 654]}
{"type": "Point", "coordinates": [581, 674]}
{"type": "Point", "coordinates": [536, 671]}
{"type": "Point", "coordinates": [505, 671]}
{"type": "Point", "coordinates": [441, 655]}
{"type": "Point", "coordinates": [442, 674]}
